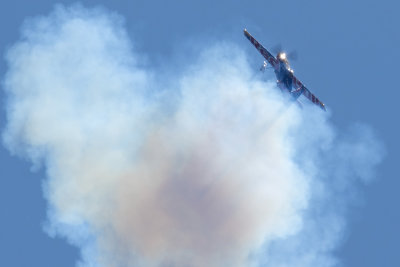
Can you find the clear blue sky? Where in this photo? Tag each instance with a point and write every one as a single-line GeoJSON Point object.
{"type": "Point", "coordinates": [348, 55]}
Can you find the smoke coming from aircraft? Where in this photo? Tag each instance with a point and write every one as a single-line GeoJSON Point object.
{"type": "Point", "coordinates": [211, 167]}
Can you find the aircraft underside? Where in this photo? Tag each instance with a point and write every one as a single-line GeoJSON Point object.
{"type": "Point", "coordinates": [286, 80]}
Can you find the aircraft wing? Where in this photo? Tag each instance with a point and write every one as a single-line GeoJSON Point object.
{"type": "Point", "coordinates": [299, 86]}
{"type": "Point", "coordinates": [264, 52]}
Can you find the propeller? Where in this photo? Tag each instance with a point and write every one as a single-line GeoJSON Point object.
{"type": "Point", "coordinates": [292, 55]}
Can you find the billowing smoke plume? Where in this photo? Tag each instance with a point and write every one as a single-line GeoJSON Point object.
{"type": "Point", "coordinates": [215, 168]}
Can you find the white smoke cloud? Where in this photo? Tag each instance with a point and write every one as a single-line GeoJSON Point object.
{"type": "Point", "coordinates": [213, 169]}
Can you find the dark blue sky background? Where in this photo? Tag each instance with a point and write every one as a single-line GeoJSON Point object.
{"type": "Point", "coordinates": [348, 55]}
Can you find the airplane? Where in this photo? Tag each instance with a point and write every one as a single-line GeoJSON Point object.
{"type": "Point", "coordinates": [286, 80]}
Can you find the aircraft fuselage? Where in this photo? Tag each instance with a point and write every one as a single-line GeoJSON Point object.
{"type": "Point", "coordinates": [284, 78]}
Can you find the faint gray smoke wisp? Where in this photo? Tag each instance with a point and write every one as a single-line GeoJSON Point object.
{"type": "Point", "coordinates": [214, 169]}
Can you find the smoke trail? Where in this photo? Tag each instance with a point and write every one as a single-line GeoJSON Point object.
{"type": "Point", "coordinates": [212, 169]}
